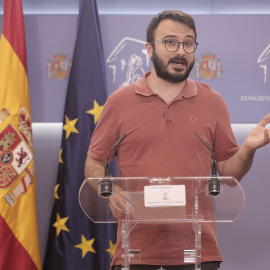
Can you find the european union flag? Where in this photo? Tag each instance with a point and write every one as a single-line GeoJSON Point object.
{"type": "Point", "coordinates": [74, 241]}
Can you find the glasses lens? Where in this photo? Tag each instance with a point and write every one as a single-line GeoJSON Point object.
{"type": "Point", "coordinates": [189, 46]}
{"type": "Point", "coordinates": [171, 45]}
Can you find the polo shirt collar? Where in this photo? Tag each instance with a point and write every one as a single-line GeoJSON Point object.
{"type": "Point", "coordinates": [142, 88]}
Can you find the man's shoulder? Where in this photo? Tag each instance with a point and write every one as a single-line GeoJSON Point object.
{"type": "Point", "coordinates": [126, 91]}
{"type": "Point", "coordinates": [122, 93]}
{"type": "Point", "coordinates": [205, 89]}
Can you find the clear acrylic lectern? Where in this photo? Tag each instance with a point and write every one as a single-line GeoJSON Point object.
{"type": "Point", "coordinates": [169, 207]}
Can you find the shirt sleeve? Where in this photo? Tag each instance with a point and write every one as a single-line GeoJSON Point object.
{"type": "Point", "coordinates": [225, 142]}
{"type": "Point", "coordinates": [105, 134]}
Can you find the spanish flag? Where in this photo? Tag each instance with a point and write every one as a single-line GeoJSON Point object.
{"type": "Point", "coordinates": [19, 245]}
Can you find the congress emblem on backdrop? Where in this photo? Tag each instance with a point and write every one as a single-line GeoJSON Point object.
{"type": "Point", "coordinates": [127, 62]}
{"type": "Point", "coordinates": [264, 61]}
{"type": "Point", "coordinates": [59, 68]}
{"type": "Point", "coordinates": [209, 68]}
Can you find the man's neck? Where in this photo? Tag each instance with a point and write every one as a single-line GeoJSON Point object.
{"type": "Point", "coordinates": [166, 90]}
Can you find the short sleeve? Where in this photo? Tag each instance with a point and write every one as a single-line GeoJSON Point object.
{"type": "Point", "coordinates": [225, 142]}
{"type": "Point", "coordinates": [105, 134]}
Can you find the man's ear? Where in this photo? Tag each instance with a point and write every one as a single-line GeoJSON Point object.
{"type": "Point", "coordinates": [149, 49]}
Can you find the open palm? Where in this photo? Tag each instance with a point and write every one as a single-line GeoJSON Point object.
{"type": "Point", "coordinates": [259, 135]}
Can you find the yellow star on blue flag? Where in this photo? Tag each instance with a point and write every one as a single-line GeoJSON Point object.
{"type": "Point", "coordinates": [111, 249]}
{"type": "Point", "coordinates": [55, 191]}
{"type": "Point", "coordinates": [86, 246]}
{"type": "Point", "coordinates": [70, 126]}
{"type": "Point", "coordinates": [60, 224]}
{"type": "Point", "coordinates": [96, 111]}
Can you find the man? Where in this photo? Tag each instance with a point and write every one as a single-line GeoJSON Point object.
{"type": "Point", "coordinates": [159, 115]}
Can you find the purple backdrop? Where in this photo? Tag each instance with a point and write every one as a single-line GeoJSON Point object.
{"type": "Point", "coordinates": [232, 57]}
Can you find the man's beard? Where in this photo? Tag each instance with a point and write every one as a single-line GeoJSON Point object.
{"type": "Point", "coordinates": [163, 73]}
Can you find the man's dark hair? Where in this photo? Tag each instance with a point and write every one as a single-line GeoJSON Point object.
{"type": "Point", "coordinates": [174, 15]}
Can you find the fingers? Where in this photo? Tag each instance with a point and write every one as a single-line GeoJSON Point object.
{"type": "Point", "coordinates": [265, 120]}
{"type": "Point", "coordinates": [117, 205]}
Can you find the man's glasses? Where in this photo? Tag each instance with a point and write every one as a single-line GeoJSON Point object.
{"type": "Point", "coordinates": [172, 45]}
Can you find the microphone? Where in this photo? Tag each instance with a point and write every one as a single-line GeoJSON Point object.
{"type": "Point", "coordinates": [105, 186]}
{"type": "Point", "coordinates": [214, 185]}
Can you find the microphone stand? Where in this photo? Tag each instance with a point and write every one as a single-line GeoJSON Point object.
{"type": "Point", "coordinates": [106, 186]}
{"type": "Point", "coordinates": [214, 185]}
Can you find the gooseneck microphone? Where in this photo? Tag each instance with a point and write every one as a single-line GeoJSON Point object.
{"type": "Point", "coordinates": [105, 186]}
{"type": "Point", "coordinates": [214, 185]}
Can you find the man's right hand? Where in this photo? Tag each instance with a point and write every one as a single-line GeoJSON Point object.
{"type": "Point", "coordinates": [117, 203]}
{"type": "Point", "coordinates": [94, 168]}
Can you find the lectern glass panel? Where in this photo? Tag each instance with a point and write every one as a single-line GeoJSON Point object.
{"type": "Point", "coordinates": [164, 208]}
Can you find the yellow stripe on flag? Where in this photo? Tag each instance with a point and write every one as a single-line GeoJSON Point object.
{"type": "Point", "coordinates": [14, 82]}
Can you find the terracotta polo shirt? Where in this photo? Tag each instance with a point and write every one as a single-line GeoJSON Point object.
{"type": "Point", "coordinates": [160, 142]}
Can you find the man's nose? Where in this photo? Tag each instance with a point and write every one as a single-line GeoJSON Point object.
{"type": "Point", "coordinates": [180, 49]}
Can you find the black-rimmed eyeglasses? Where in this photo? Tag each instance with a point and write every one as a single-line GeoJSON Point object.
{"type": "Point", "coordinates": [172, 45]}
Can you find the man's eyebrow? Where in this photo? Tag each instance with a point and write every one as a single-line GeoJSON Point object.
{"type": "Point", "coordinates": [174, 36]}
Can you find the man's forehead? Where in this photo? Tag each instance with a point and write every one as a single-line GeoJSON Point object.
{"type": "Point", "coordinates": [169, 27]}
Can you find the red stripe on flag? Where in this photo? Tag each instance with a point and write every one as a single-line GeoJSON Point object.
{"type": "Point", "coordinates": [13, 255]}
{"type": "Point", "coordinates": [13, 28]}
{"type": "Point", "coordinates": [24, 185]}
